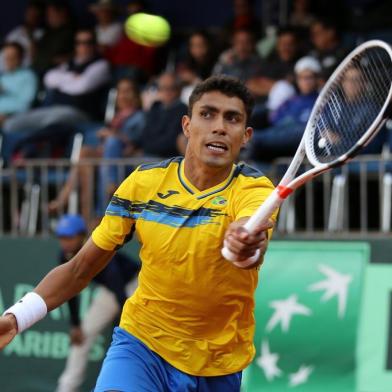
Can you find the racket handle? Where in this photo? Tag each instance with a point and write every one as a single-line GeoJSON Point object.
{"type": "Point", "coordinates": [265, 211]}
{"type": "Point", "coordinates": [262, 214]}
{"type": "Point", "coordinates": [228, 255]}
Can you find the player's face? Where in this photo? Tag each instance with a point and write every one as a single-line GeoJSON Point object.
{"type": "Point", "coordinates": [217, 129]}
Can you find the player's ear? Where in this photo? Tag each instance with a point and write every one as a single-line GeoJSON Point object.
{"type": "Point", "coordinates": [185, 125]}
{"type": "Point", "coordinates": [247, 135]}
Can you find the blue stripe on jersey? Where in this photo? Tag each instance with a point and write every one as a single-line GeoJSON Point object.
{"type": "Point", "coordinates": [119, 207]}
{"type": "Point", "coordinates": [154, 211]}
{"type": "Point", "coordinates": [116, 210]}
{"type": "Point", "coordinates": [175, 221]}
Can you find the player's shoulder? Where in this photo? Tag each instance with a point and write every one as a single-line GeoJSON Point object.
{"type": "Point", "coordinates": [245, 170]}
{"type": "Point", "coordinates": [248, 175]}
{"type": "Point", "coordinates": [160, 165]}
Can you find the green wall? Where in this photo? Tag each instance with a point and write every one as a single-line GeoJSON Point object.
{"type": "Point", "coordinates": [348, 352]}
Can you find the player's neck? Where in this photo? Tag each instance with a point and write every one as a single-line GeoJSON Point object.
{"type": "Point", "coordinates": [204, 177]}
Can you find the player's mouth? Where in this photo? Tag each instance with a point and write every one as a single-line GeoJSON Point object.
{"type": "Point", "coordinates": [217, 147]}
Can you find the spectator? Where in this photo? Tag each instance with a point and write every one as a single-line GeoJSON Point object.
{"type": "Point", "coordinates": [273, 84]}
{"type": "Point", "coordinates": [199, 58]}
{"type": "Point", "coordinates": [18, 85]}
{"type": "Point", "coordinates": [355, 101]}
{"type": "Point", "coordinates": [55, 46]}
{"type": "Point", "coordinates": [119, 138]}
{"type": "Point", "coordinates": [290, 119]}
{"type": "Point", "coordinates": [107, 29]}
{"type": "Point", "coordinates": [30, 31]}
{"type": "Point", "coordinates": [244, 17]}
{"type": "Point", "coordinates": [278, 66]}
{"type": "Point", "coordinates": [81, 81]}
{"type": "Point", "coordinates": [327, 45]}
{"type": "Point", "coordinates": [74, 89]}
{"type": "Point", "coordinates": [241, 59]}
{"type": "Point", "coordinates": [197, 63]}
{"type": "Point", "coordinates": [163, 120]}
{"type": "Point", "coordinates": [302, 15]}
{"type": "Point", "coordinates": [115, 283]}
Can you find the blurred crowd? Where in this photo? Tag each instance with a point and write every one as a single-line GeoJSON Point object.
{"type": "Point", "coordinates": [57, 77]}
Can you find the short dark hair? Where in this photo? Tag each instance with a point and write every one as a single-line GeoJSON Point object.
{"type": "Point", "coordinates": [227, 85]}
{"type": "Point", "coordinates": [283, 30]}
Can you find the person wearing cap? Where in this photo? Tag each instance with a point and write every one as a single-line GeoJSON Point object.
{"type": "Point", "coordinates": [290, 118]}
{"type": "Point", "coordinates": [116, 282]}
{"type": "Point", "coordinates": [107, 29]}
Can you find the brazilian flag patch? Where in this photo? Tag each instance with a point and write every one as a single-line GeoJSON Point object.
{"type": "Point", "coordinates": [219, 201]}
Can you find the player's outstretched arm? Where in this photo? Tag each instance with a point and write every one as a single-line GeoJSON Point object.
{"type": "Point", "coordinates": [244, 245]}
{"type": "Point", "coordinates": [57, 287]}
{"type": "Point", "coordinates": [68, 279]}
{"type": "Point", "coordinates": [8, 329]}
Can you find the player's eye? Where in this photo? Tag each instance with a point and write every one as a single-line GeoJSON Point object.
{"type": "Point", "coordinates": [205, 114]}
{"type": "Point", "coordinates": [233, 118]}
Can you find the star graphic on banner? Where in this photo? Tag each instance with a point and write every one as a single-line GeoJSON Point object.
{"type": "Point", "coordinates": [267, 361]}
{"type": "Point", "coordinates": [335, 284]}
{"type": "Point", "coordinates": [301, 376]}
{"type": "Point", "coordinates": [284, 311]}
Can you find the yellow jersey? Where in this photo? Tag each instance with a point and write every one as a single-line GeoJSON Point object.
{"type": "Point", "coordinates": [192, 307]}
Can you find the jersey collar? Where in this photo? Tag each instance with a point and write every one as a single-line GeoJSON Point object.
{"type": "Point", "coordinates": [207, 192]}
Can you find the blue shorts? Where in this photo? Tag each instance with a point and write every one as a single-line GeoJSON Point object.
{"type": "Point", "coordinates": [130, 366]}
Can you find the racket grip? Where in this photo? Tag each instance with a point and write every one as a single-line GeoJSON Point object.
{"type": "Point", "coordinates": [228, 255]}
{"type": "Point", "coordinates": [261, 216]}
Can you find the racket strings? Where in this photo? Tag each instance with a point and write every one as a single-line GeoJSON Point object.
{"type": "Point", "coordinates": [351, 105]}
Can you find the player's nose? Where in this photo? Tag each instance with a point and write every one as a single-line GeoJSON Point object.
{"type": "Point", "coordinates": [219, 126]}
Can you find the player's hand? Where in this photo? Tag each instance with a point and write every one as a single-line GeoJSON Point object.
{"type": "Point", "coordinates": [8, 329]}
{"type": "Point", "coordinates": [77, 336]}
{"type": "Point", "coordinates": [244, 244]}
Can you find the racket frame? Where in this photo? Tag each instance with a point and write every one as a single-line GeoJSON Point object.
{"type": "Point", "coordinates": [288, 182]}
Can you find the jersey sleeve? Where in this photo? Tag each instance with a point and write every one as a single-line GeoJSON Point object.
{"type": "Point", "coordinates": [117, 226]}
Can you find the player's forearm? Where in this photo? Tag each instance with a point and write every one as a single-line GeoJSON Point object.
{"type": "Point", "coordinates": [67, 280]}
{"type": "Point", "coordinates": [59, 285]}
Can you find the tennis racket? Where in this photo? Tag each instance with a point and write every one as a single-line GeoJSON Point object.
{"type": "Point", "coordinates": [351, 108]}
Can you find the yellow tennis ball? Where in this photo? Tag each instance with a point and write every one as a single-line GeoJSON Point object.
{"type": "Point", "coordinates": [147, 29]}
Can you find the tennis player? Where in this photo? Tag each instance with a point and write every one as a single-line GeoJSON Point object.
{"type": "Point", "coordinates": [189, 326]}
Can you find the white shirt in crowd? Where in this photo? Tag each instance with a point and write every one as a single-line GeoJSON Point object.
{"type": "Point", "coordinates": [109, 35]}
{"type": "Point", "coordinates": [94, 76]}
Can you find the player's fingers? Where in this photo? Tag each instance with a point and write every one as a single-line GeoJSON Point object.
{"type": "Point", "coordinates": [240, 255]}
{"type": "Point", "coordinates": [255, 239]}
{"type": "Point", "coordinates": [264, 226]}
{"type": "Point", "coordinates": [241, 233]}
{"type": "Point", "coordinates": [239, 247]}
{"type": "Point", "coordinates": [251, 241]}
